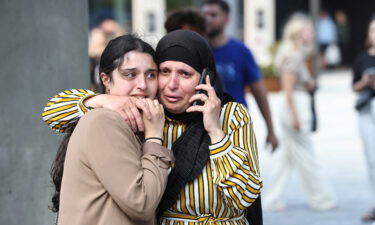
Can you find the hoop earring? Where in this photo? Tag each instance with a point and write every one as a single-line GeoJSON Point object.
{"type": "Point", "coordinates": [106, 90]}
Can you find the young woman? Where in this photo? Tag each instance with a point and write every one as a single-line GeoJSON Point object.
{"type": "Point", "coordinates": [364, 85]}
{"type": "Point", "coordinates": [296, 119]}
{"type": "Point", "coordinates": [216, 172]}
{"type": "Point", "coordinates": [106, 174]}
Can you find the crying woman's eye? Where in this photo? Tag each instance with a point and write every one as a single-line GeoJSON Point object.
{"type": "Point", "coordinates": [151, 75]}
{"type": "Point", "coordinates": [186, 74]}
{"type": "Point", "coordinates": [129, 75]}
{"type": "Point", "coordinates": [164, 71]}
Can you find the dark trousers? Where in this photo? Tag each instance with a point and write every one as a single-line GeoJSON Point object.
{"type": "Point", "coordinates": [254, 213]}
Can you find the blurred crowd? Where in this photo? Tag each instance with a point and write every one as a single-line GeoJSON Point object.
{"type": "Point", "coordinates": [333, 36]}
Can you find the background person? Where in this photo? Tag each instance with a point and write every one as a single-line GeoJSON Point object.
{"type": "Point", "coordinates": [343, 36]}
{"type": "Point", "coordinates": [98, 40]}
{"type": "Point", "coordinates": [364, 85]}
{"type": "Point", "coordinates": [327, 36]}
{"type": "Point", "coordinates": [295, 115]}
{"type": "Point", "coordinates": [186, 19]}
{"type": "Point", "coordinates": [235, 63]}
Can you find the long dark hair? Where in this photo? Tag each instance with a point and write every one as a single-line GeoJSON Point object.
{"type": "Point", "coordinates": [111, 58]}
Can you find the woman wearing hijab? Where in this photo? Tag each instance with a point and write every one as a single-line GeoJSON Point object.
{"type": "Point", "coordinates": [216, 172]}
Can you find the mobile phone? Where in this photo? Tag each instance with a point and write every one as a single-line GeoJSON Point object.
{"type": "Point", "coordinates": [202, 80]}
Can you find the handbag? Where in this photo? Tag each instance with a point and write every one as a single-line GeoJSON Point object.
{"type": "Point", "coordinates": [314, 117]}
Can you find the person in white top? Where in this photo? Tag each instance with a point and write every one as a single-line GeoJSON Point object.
{"type": "Point", "coordinates": [296, 120]}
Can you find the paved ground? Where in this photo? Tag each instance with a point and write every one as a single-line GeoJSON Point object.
{"type": "Point", "coordinates": [338, 149]}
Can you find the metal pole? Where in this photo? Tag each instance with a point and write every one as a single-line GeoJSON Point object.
{"type": "Point", "coordinates": [314, 6]}
{"type": "Point", "coordinates": [43, 55]}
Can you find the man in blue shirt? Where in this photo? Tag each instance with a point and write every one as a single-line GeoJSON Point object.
{"type": "Point", "coordinates": [326, 30]}
{"type": "Point", "coordinates": [237, 68]}
{"type": "Point", "coordinates": [235, 63]}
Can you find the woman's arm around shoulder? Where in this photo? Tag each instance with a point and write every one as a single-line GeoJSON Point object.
{"type": "Point", "coordinates": [62, 111]}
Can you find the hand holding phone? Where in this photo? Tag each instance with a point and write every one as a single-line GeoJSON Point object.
{"type": "Point", "coordinates": [202, 80]}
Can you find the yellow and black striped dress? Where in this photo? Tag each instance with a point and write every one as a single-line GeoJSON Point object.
{"type": "Point", "coordinates": [64, 109]}
{"type": "Point", "coordinates": [230, 182]}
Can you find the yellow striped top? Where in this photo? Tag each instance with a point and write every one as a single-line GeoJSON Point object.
{"type": "Point", "coordinates": [229, 183]}
{"type": "Point", "coordinates": [64, 109]}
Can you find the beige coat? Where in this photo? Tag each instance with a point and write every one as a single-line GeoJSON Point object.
{"type": "Point", "coordinates": [109, 177]}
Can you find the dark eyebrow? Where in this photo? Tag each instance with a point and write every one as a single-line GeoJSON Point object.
{"type": "Point", "coordinates": [152, 70]}
{"type": "Point", "coordinates": [127, 69]}
{"type": "Point", "coordinates": [164, 68]}
{"type": "Point", "coordinates": [185, 71]}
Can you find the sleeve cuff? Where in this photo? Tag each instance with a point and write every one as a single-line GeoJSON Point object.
{"type": "Point", "coordinates": [152, 148]}
{"type": "Point", "coordinates": [81, 107]}
{"type": "Point", "coordinates": [220, 148]}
